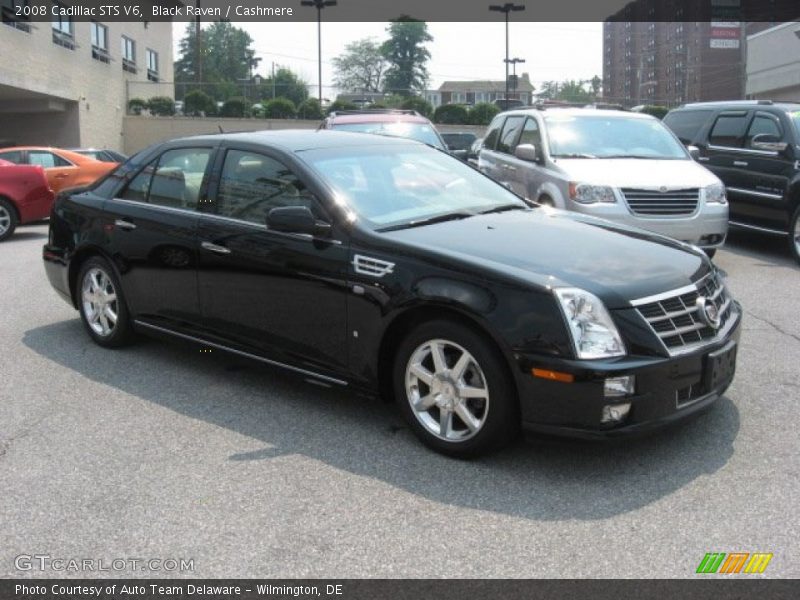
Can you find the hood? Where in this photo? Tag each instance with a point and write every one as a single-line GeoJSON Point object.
{"type": "Point", "coordinates": [550, 247]}
{"type": "Point", "coordinates": [637, 172]}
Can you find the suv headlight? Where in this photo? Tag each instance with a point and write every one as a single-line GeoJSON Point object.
{"type": "Point", "coordinates": [715, 194]}
{"type": "Point", "coordinates": [593, 332]}
{"type": "Point", "coordinates": [591, 194]}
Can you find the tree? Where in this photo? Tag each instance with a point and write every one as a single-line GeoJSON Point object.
{"type": "Point", "coordinates": [574, 91]}
{"type": "Point", "coordinates": [280, 108]}
{"type": "Point", "coordinates": [451, 114]}
{"type": "Point", "coordinates": [310, 109]}
{"type": "Point", "coordinates": [161, 106]}
{"type": "Point", "coordinates": [482, 113]}
{"type": "Point", "coordinates": [406, 56]}
{"type": "Point", "coordinates": [361, 67]}
{"type": "Point", "coordinates": [234, 107]}
{"type": "Point", "coordinates": [287, 84]}
{"type": "Point", "coordinates": [196, 103]}
{"type": "Point", "coordinates": [418, 104]}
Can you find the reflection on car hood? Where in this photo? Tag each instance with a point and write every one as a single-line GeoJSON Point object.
{"type": "Point", "coordinates": [637, 173]}
{"type": "Point", "coordinates": [554, 248]}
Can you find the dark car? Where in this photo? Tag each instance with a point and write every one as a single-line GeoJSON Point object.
{"type": "Point", "coordinates": [390, 122]}
{"type": "Point", "coordinates": [386, 266]}
{"type": "Point", "coordinates": [753, 146]}
{"type": "Point", "coordinates": [103, 155]}
{"type": "Point", "coordinates": [459, 143]}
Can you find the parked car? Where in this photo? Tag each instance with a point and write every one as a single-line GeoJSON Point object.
{"type": "Point", "coordinates": [103, 155]}
{"type": "Point", "coordinates": [391, 122]}
{"type": "Point", "coordinates": [754, 148]}
{"type": "Point", "coordinates": [384, 265]}
{"type": "Point", "coordinates": [459, 142]}
{"type": "Point", "coordinates": [24, 196]}
{"type": "Point", "coordinates": [474, 151]}
{"type": "Point", "coordinates": [622, 166]}
{"type": "Point", "coordinates": [63, 168]}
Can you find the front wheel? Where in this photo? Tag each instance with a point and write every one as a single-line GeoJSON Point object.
{"type": "Point", "coordinates": [102, 304]}
{"type": "Point", "coordinates": [454, 390]}
{"type": "Point", "coordinates": [794, 234]}
{"type": "Point", "coordinates": [8, 219]}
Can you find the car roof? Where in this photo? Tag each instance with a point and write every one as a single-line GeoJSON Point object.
{"type": "Point", "coordinates": [379, 118]}
{"type": "Point", "coordinates": [573, 111]}
{"type": "Point", "coordinates": [297, 140]}
{"type": "Point", "coordinates": [741, 104]}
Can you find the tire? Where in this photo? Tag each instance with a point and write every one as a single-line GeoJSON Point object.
{"type": "Point", "coordinates": [794, 234]}
{"type": "Point", "coordinates": [8, 219]}
{"type": "Point", "coordinates": [432, 394]}
{"type": "Point", "coordinates": [101, 303]}
{"type": "Point", "coordinates": [710, 252]}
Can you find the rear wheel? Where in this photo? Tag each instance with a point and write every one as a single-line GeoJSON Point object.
{"type": "Point", "coordinates": [8, 219]}
{"type": "Point", "coordinates": [454, 390]}
{"type": "Point", "coordinates": [794, 234]}
{"type": "Point", "coordinates": [102, 304]}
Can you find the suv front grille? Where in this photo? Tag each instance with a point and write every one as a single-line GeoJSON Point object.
{"type": "Point", "coordinates": [655, 203]}
{"type": "Point", "coordinates": [676, 319]}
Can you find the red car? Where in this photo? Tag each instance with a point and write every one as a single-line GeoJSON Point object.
{"type": "Point", "coordinates": [25, 196]}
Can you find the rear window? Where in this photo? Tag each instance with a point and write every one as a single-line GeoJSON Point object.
{"type": "Point", "coordinates": [686, 123]}
{"type": "Point", "coordinates": [729, 130]}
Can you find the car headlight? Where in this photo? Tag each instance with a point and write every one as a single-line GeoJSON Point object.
{"type": "Point", "coordinates": [593, 332]}
{"type": "Point", "coordinates": [715, 194]}
{"type": "Point", "coordinates": [591, 194]}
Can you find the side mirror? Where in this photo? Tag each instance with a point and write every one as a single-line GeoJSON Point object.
{"type": "Point", "coordinates": [694, 152]}
{"type": "Point", "coordinates": [526, 152]}
{"type": "Point", "coordinates": [768, 142]}
{"type": "Point", "coordinates": [296, 219]}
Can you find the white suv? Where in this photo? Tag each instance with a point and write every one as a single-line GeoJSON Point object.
{"type": "Point", "coordinates": [622, 166]}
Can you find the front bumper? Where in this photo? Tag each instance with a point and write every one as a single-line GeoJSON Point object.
{"type": "Point", "coordinates": [668, 389]}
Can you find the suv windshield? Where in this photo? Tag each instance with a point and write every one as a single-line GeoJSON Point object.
{"type": "Point", "coordinates": [596, 136]}
{"type": "Point", "coordinates": [421, 132]}
{"type": "Point", "coordinates": [406, 185]}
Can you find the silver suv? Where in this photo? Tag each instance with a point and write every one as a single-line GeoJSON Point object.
{"type": "Point", "coordinates": [622, 166]}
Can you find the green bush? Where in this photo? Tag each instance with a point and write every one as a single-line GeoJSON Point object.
{"type": "Point", "coordinates": [197, 103]}
{"type": "Point", "coordinates": [234, 107]}
{"type": "Point", "coordinates": [161, 106]}
{"type": "Point", "coordinates": [657, 111]}
{"type": "Point", "coordinates": [482, 113]}
{"type": "Point", "coordinates": [342, 105]}
{"type": "Point", "coordinates": [451, 114]}
{"type": "Point", "coordinates": [418, 104]}
{"type": "Point", "coordinates": [309, 109]}
{"type": "Point", "coordinates": [136, 106]}
{"type": "Point", "coordinates": [279, 108]}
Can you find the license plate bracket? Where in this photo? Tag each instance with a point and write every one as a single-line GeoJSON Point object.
{"type": "Point", "coordinates": [720, 367]}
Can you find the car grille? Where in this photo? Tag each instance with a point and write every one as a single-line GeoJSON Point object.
{"type": "Point", "coordinates": [657, 203]}
{"type": "Point", "coordinates": [676, 319]}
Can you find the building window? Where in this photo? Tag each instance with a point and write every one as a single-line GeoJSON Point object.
{"type": "Point", "coordinates": [99, 42]}
{"type": "Point", "coordinates": [128, 55]}
{"type": "Point", "coordinates": [8, 8]}
{"type": "Point", "coordinates": [152, 64]}
{"type": "Point", "coordinates": [62, 28]}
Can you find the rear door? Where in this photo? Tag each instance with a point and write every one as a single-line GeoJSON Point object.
{"type": "Point", "coordinates": [488, 162]}
{"type": "Point", "coordinates": [60, 173]}
{"type": "Point", "coordinates": [504, 166]}
{"type": "Point", "coordinates": [723, 154]}
{"type": "Point", "coordinates": [527, 177]}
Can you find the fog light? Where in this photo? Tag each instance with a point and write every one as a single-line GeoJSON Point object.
{"type": "Point", "coordinates": [620, 386]}
{"type": "Point", "coordinates": [614, 413]}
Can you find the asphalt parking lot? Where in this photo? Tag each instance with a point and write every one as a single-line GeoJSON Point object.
{"type": "Point", "coordinates": [160, 451]}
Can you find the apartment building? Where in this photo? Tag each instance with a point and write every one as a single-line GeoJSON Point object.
{"type": "Point", "coordinates": [773, 63]}
{"type": "Point", "coordinates": [64, 83]}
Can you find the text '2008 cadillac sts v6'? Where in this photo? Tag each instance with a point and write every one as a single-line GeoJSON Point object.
{"type": "Point", "coordinates": [388, 266]}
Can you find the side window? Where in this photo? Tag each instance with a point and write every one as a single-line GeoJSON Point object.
{"type": "Point", "coordinates": [531, 134]}
{"type": "Point", "coordinates": [764, 124]}
{"type": "Point", "coordinates": [140, 185]}
{"type": "Point", "coordinates": [490, 140]}
{"type": "Point", "coordinates": [509, 135]}
{"type": "Point", "coordinates": [174, 179]}
{"type": "Point", "coordinates": [14, 156]}
{"type": "Point", "coordinates": [728, 130]}
{"type": "Point", "coordinates": [686, 123]}
{"type": "Point", "coordinates": [48, 160]}
{"type": "Point", "coordinates": [253, 184]}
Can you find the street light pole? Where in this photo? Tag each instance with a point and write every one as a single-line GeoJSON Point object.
{"type": "Point", "coordinates": [319, 5]}
{"type": "Point", "coordinates": [506, 8]}
{"type": "Point", "coordinates": [514, 62]}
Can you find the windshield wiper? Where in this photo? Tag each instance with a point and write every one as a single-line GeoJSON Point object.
{"type": "Point", "coordinates": [453, 216]}
{"type": "Point", "coordinates": [574, 155]}
{"type": "Point", "coordinates": [502, 208]}
{"type": "Point", "coordinates": [639, 156]}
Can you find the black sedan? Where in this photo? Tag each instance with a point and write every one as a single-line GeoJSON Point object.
{"type": "Point", "coordinates": [390, 267]}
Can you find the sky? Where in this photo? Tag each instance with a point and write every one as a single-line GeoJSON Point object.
{"type": "Point", "coordinates": [459, 51]}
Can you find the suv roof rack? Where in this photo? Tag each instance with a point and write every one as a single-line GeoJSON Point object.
{"type": "Point", "coordinates": [374, 111]}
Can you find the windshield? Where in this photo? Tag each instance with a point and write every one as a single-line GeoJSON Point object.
{"type": "Point", "coordinates": [596, 136]}
{"type": "Point", "coordinates": [422, 132]}
{"type": "Point", "coordinates": [396, 186]}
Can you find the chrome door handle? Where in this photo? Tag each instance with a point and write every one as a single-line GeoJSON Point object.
{"type": "Point", "coordinates": [122, 224]}
{"type": "Point", "coordinates": [739, 163]}
{"type": "Point", "coordinates": [703, 158]}
{"type": "Point", "coordinates": [215, 248]}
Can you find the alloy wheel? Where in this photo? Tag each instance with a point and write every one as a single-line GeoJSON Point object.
{"type": "Point", "coordinates": [447, 390]}
{"type": "Point", "coordinates": [100, 305]}
{"type": "Point", "coordinates": [5, 220]}
{"type": "Point", "coordinates": [796, 234]}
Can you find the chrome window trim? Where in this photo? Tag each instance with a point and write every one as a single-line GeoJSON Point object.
{"type": "Point", "coordinates": [241, 353]}
{"type": "Point", "coordinates": [300, 236]}
{"type": "Point", "coordinates": [192, 211]}
{"type": "Point", "coordinates": [770, 153]}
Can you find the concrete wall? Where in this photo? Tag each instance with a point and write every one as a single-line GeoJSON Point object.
{"type": "Point", "coordinates": [140, 132]}
{"type": "Point", "coordinates": [32, 64]}
{"type": "Point", "coordinates": [773, 63]}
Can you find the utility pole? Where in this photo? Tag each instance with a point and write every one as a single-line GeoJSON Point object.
{"type": "Point", "coordinates": [506, 8]}
{"type": "Point", "coordinates": [514, 62]}
{"type": "Point", "coordinates": [319, 5]}
{"type": "Point", "coordinates": [198, 43]}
